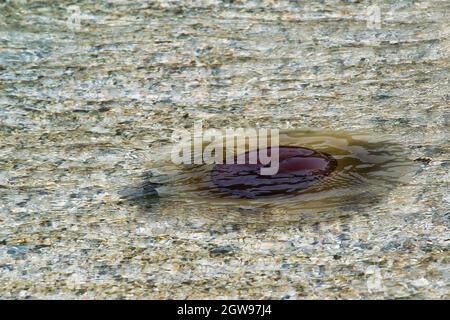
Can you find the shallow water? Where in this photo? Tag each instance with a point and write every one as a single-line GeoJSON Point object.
{"type": "Point", "coordinates": [87, 111]}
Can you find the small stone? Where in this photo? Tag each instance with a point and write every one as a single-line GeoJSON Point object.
{"type": "Point", "coordinates": [419, 283]}
{"type": "Point", "coordinates": [223, 250]}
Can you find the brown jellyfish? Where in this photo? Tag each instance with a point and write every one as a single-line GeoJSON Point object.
{"type": "Point", "coordinates": [299, 168]}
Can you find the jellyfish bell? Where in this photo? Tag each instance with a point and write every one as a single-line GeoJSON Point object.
{"type": "Point", "coordinates": [298, 169]}
{"type": "Point", "coordinates": [320, 175]}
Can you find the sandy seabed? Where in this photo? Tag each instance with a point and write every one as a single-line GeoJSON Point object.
{"type": "Point", "coordinates": [86, 102]}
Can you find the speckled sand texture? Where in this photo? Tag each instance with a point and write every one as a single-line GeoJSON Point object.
{"type": "Point", "coordinates": [83, 110]}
